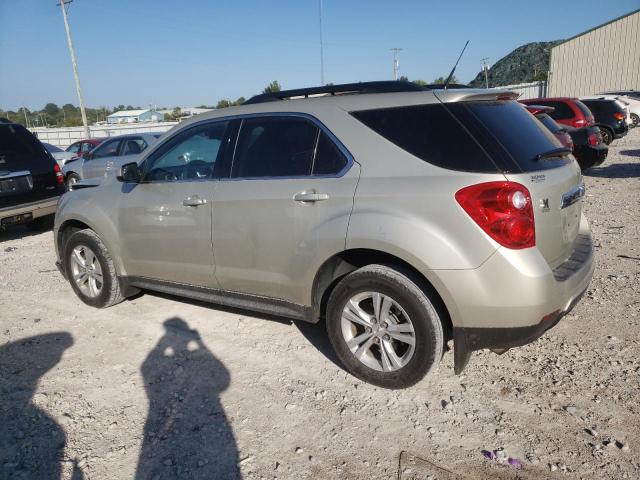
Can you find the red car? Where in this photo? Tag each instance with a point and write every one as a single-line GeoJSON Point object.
{"type": "Point", "coordinates": [568, 111]}
{"type": "Point", "coordinates": [81, 147]}
{"type": "Point", "coordinates": [543, 114]}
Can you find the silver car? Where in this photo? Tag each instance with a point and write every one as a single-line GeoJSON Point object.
{"type": "Point", "coordinates": [109, 156]}
{"type": "Point", "coordinates": [401, 216]}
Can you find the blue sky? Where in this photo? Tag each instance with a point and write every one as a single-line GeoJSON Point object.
{"type": "Point", "coordinates": [194, 52]}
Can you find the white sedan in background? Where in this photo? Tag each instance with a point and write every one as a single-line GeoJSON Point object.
{"type": "Point", "coordinates": [58, 154]}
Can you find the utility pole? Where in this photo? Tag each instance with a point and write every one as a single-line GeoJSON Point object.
{"type": "Point", "coordinates": [321, 46]}
{"type": "Point", "coordinates": [26, 120]}
{"type": "Point", "coordinates": [486, 70]}
{"type": "Point", "coordinates": [75, 66]}
{"type": "Point", "coordinates": [396, 62]}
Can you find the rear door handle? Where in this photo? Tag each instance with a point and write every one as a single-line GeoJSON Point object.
{"type": "Point", "coordinates": [193, 201]}
{"type": "Point", "coordinates": [310, 197]}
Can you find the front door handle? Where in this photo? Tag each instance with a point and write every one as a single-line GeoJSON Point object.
{"type": "Point", "coordinates": [309, 197]}
{"type": "Point", "coordinates": [193, 201]}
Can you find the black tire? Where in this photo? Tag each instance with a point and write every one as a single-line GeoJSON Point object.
{"type": "Point", "coordinates": [427, 324]}
{"type": "Point", "coordinates": [41, 224]}
{"type": "Point", "coordinates": [110, 293]}
{"type": "Point", "coordinates": [607, 135]}
{"type": "Point", "coordinates": [635, 118]}
{"type": "Point", "coordinates": [71, 179]}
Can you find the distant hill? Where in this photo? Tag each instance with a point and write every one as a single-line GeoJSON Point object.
{"type": "Point", "coordinates": [525, 64]}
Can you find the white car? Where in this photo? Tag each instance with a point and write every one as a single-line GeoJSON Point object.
{"type": "Point", "coordinates": [58, 154]}
{"type": "Point", "coordinates": [630, 104]}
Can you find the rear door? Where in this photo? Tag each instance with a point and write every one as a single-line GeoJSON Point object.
{"type": "Point", "coordinates": [285, 208]}
{"type": "Point", "coordinates": [26, 169]}
{"type": "Point", "coordinates": [553, 179]}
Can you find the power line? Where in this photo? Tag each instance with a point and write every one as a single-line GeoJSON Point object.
{"type": "Point", "coordinates": [76, 76]}
{"type": "Point", "coordinates": [396, 62]}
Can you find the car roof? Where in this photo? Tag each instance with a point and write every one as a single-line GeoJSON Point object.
{"type": "Point", "coordinates": [319, 105]}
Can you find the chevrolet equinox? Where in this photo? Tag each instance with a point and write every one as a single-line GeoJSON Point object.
{"type": "Point", "coordinates": [402, 216]}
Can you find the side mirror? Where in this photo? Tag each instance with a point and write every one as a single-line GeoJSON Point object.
{"type": "Point", "coordinates": [130, 173]}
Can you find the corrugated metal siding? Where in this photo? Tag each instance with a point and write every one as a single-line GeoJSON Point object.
{"type": "Point", "coordinates": [607, 58]}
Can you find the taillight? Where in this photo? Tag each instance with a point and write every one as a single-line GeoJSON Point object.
{"type": "Point", "coordinates": [579, 122]}
{"type": "Point", "coordinates": [59, 175]}
{"type": "Point", "coordinates": [618, 116]}
{"type": "Point", "coordinates": [503, 210]}
{"type": "Point", "coordinates": [593, 139]}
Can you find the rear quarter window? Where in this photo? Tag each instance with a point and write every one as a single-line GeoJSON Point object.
{"type": "Point", "coordinates": [431, 133]}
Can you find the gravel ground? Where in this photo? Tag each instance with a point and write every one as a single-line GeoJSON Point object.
{"type": "Point", "coordinates": [162, 388]}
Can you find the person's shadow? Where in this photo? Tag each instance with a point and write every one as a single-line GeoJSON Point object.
{"type": "Point", "coordinates": [31, 442]}
{"type": "Point", "coordinates": [186, 433]}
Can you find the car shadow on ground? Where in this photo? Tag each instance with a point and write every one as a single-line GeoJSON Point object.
{"type": "Point", "coordinates": [187, 433]}
{"type": "Point", "coordinates": [315, 333]}
{"type": "Point", "coordinates": [615, 170]}
{"type": "Point", "coordinates": [31, 442]}
{"type": "Point", "coordinates": [17, 232]}
{"type": "Point", "coordinates": [631, 153]}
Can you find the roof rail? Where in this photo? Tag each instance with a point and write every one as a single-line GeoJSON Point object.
{"type": "Point", "coordinates": [386, 86]}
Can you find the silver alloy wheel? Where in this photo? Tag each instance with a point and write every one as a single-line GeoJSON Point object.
{"type": "Point", "coordinates": [378, 331]}
{"type": "Point", "coordinates": [86, 271]}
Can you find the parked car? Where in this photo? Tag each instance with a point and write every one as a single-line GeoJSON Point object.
{"type": "Point", "coordinates": [81, 147]}
{"type": "Point", "coordinates": [586, 142]}
{"type": "Point", "coordinates": [588, 146]}
{"type": "Point", "coordinates": [107, 157]}
{"type": "Point", "coordinates": [625, 93]}
{"type": "Point", "coordinates": [403, 219]}
{"type": "Point", "coordinates": [610, 117]}
{"type": "Point", "coordinates": [560, 132]}
{"type": "Point", "coordinates": [632, 106]}
{"type": "Point", "coordinates": [567, 111]}
{"type": "Point", "coordinates": [58, 154]}
{"type": "Point", "coordinates": [30, 179]}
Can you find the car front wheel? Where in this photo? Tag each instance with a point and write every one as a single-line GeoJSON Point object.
{"type": "Point", "coordinates": [90, 270]}
{"type": "Point", "coordinates": [383, 327]}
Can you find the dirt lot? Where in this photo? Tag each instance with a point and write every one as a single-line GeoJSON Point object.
{"type": "Point", "coordinates": [161, 388]}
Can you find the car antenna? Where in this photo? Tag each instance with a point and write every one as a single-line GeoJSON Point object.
{"type": "Point", "coordinates": [446, 83]}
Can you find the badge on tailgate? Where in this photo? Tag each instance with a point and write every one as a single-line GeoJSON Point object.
{"type": "Point", "coordinates": [572, 196]}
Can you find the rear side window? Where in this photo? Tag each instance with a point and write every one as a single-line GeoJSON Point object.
{"type": "Point", "coordinates": [430, 133]}
{"type": "Point", "coordinates": [329, 159]}
{"type": "Point", "coordinates": [133, 146]}
{"type": "Point", "coordinates": [523, 138]}
{"type": "Point", "coordinates": [275, 147]}
{"type": "Point", "coordinates": [19, 149]}
{"type": "Point", "coordinates": [603, 106]}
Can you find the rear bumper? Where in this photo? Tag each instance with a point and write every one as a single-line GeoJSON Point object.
{"type": "Point", "coordinates": [37, 209]}
{"type": "Point", "coordinates": [621, 130]}
{"type": "Point", "coordinates": [514, 297]}
{"type": "Point", "coordinates": [591, 156]}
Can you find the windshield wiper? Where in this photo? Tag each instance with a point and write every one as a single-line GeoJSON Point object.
{"type": "Point", "coordinates": [556, 152]}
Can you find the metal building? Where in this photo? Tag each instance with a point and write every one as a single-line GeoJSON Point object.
{"type": "Point", "coordinates": [604, 58]}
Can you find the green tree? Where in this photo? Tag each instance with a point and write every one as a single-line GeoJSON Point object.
{"type": "Point", "coordinates": [51, 109]}
{"type": "Point", "coordinates": [273, 87]}
{"type": "Point", "coordinates": [441, 80]}
{"type": "Point", "coordinates": [403, 78]}
{"type": "Point", "coordinates": [420, 83]}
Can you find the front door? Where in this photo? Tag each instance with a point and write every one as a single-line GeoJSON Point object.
{"type": "Point", "coordinates": [94, 165]}
{"type": "Point", "coordinates": [285, 208]}
{"type": "Point", "coordinates": [165, 220]}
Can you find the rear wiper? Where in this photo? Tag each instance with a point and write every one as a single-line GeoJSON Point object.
{"type": "Point", "coordinates": [556, 152]}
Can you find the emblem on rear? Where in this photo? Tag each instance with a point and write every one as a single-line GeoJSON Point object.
{"type": "Point", "coordinates": [544, 204]}
{"type": "Point", "coordinates": [538, 178]}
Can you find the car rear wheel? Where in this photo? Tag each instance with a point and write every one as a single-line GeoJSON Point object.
{"type": "Point", "coordinates": [635, 119]}
{"type": "Point", "coordinates": [71, 180]}
{"type": "Point", "coordinates": [383, 327]}
{"type": "Point", "coordinates": [90, 270]}
{"type": "Point", "coordinates": [607, 135]}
